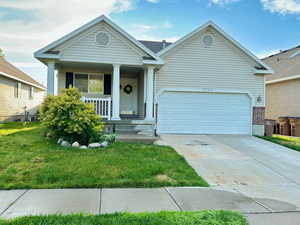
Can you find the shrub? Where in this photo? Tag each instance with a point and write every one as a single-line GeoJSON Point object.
{"type": "Point", "coordinates": [110, 138]}
{"type": "Point", "coordinates": [70, 118]}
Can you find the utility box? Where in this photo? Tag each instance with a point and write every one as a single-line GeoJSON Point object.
{"type": "Point", "coordinates": [284, 126]}
{"type": "Point", "coordinates": [295, 126]}
{"type": "Point", "coordinates": [269, 127]}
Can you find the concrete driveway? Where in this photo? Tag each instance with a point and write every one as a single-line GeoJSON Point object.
{"type": "Point", "coordinates": [258, 169]}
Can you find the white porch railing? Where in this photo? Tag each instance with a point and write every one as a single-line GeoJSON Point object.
{"type": "Point", "coordinates": [102, 106]}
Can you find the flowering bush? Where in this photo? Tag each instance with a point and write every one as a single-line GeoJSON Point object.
{"type": "Point", "coordinates": [70, 118]}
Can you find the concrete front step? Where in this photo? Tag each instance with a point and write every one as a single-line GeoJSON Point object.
{"type": "Point", "coordinates": [136, 138]}
{"type": "Point", "coordinates": [131, 127]}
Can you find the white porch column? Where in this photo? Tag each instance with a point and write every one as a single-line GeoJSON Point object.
{"type": "Point", "coordinates": [56, 82]}
{"type": "Point", "coordinates": [116, 93]}
{"type": "Point", "coordinates": [50, 77]}
{"type": "Point", "coordinates": [150, 85]}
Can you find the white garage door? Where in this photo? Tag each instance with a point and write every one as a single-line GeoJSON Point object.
{"type": "Point", "coordinates": [204, 113]}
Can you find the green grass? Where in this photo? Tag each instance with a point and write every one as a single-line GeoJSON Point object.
{"type": "Point", "coordinates": [161, 218]}
{"type": "Point", "coordinates": [13, 127]}
{"type": "Point", "coordinates": [290, 142]}
{"type": "Point", "coordinates": [29, 160]}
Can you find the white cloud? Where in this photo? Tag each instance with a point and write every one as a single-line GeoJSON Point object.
{"type": "Point", "coordinates": [49, 20]}
{"type": "Point", "coordinates": [146, 31]}
{"type": "Point", "coordinates": [222, 2]}
{"type": "Point", "coordinates": [153, 1]}
{"type": "Point", "coordinates": [143, 27]}
{"type": "Point", "coordinates": [282, 6]}
{"type": "Point", "coordinates": [267, 53]}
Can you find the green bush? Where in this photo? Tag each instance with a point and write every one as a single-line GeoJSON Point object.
{"type": "Point", "coordinates": [70, 118]}
{"type": "Point", "coordinates": [110, 138]}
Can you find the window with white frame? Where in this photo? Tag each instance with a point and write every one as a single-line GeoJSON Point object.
{"type": "Point", "coordinates": [89, 83]}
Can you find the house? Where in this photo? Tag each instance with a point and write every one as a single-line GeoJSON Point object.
{"type": "Point", "coordinates": [283, 87]}
{"type": "Point", "coordinates": [204, 83]}
{"type": "Point", "coordinates": [20, 95]}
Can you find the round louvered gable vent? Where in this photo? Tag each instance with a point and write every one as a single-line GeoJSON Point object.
{"type": "Point", "coordinates": [102, 38]}
{"type": "Point", "coordinates": [208, 40]}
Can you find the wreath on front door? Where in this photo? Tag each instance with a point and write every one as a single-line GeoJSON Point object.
{"type": "Point", "coordinates": [128, 89]}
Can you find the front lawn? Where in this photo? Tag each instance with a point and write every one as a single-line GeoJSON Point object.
{"type": "Point", "coordinates": [29, 160]}
{"type": "Point", "coordinates": [161, 218]}
{"type": "Point", "coordinates": [290, 142]}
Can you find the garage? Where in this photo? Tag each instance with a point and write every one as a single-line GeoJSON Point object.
{"type": "Point", "coordinates": [204, 113]}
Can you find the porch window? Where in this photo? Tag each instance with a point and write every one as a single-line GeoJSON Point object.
{"type": "Point", "coordinates": [89, 83]}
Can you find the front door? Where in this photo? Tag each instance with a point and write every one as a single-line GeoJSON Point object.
{"type": "Point", "coordinates": [129, 96]}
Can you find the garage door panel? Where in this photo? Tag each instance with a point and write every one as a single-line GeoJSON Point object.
{"type": "Point", "coordinates": [210, 113]}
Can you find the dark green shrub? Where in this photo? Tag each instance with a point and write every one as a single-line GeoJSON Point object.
{"type": "Point", "coordinates": [70, 118]}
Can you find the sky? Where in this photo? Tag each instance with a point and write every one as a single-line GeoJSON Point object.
{"type": "Point", "coordinates": [262, 26]}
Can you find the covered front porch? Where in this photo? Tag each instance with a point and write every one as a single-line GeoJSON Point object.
{"type": "Point", "coordinates": [118, 92]}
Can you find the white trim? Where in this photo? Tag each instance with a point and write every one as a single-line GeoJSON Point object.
{"type": "Point", "coordinates": [20, 80]}
{"type": "Point", "coordinates": [216, 27]}
{"type": "Point", "coordinates": [116, 92]}
{"type": "Point", "coordinates": [102, 62]}
{"type": "Point", "coordinates": [40, 53]}
{"type": "Point", "coordinates": [150, 93]}
{"type": "Point", "coordinates": [283, 79]}
{"type": "Point", "coordinates": [203, 90]}
{"type": "Point", "coordinates": [48, 56]}
{"type": "Point", "coordinates": [218, 91]}
{"type": "Point", "coordinates": [152, 62]}
{"type": "Point", "coordinates": [265, 92]}
{"type": "Point", "coordinates": [264, 72]}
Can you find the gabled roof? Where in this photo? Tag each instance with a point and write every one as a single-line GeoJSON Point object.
{"type": "Point", "coordinates": [265, 68]}
{"type": "Point", "coordinates": [10, 71]}
{"type": "Point", "coordinates": [155, 46]}
{"type": "Point", "coordinates": [44, 52]}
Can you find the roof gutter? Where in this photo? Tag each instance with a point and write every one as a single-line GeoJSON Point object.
{"type": "Point", "coordinates": [264, 72]}
{"type": "Point", "coordinates": [283, 79]}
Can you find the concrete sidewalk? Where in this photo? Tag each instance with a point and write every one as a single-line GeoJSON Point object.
{"type": "Point", "coordinates": [100, 201]}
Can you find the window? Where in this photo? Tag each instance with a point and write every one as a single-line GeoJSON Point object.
{"type": "Point", "coordinates": [81, 82]}
{"type": "Point", "coordinates": [30, 92]}
{"type": "Point", "coordinates": [17, 89]}
{"type": "Point", "coordinates": [89, 83]}
{"type": "Point", "coordinates": [95, 84]}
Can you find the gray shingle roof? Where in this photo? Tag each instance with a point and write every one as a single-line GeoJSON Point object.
{"type": "Point", "coordinates": [155, 46]}
{"type": "Point", "coordinates": [8, 68]}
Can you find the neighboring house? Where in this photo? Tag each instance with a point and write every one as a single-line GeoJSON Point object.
{"type": "Point", "coordinates": [283, 87]}
{"type": "Point", "coordinates": [205, 83]}
{"type": "Point", "coordinates": [19, 93]}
